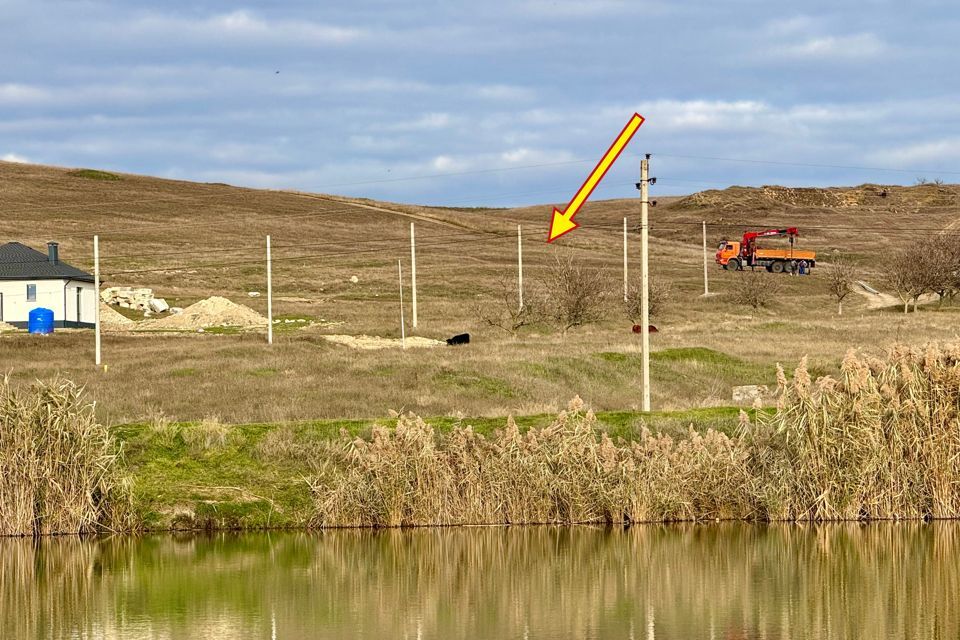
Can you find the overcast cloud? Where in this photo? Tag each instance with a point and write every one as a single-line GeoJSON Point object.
{"type": "Point", "coordinates": [359, 97]}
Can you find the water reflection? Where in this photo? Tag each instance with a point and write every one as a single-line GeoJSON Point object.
{"type": "Point", "coordinates": [666, 582]}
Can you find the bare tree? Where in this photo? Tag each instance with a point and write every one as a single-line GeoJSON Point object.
{"type": "Point", "coordinates": [504, 310]}
{"type": "Point", "coordinates": [756, 289]}
{"type": "Point", "coordinates": [573, 294]}
{"type": "Point", "coordinates": [660, 295]}
{"type": "Point", "coordinates": [928, 267]}
{"type": "Point", "coordinates": [941, 262]}
{"type": "Point", "coordinates": [907, 274]}
{"type": "Point", "coordinates": [840, 277]}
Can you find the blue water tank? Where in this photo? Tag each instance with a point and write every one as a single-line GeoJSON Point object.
{"type": "Point", "coordinates": [40, 321]}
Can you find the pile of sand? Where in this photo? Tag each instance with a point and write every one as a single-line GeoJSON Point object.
{"type": "Point", "coordinates": [376, 342]}
{"type": "Point", "coordinates": [212, 312]}
{"type": "Point", "coordinates": [113, 320]}
{"type": "Point", "coordinates": [6, 327]}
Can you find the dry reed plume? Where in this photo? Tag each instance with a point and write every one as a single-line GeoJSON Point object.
{"type": "Point", "coordinates": [882, 442]}
{"type": "Point", "coordinates": [563, 473]}
{"type": "Point", "coordinates": [58, 466]}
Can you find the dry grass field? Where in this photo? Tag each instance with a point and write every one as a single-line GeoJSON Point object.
{"type": "Point", "coordinates": [189, 241]}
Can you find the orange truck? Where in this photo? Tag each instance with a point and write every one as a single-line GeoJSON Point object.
{"type": "Point", "coordinates": [747, 253]}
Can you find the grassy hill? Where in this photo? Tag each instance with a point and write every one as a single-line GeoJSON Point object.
{"type": "Point", "coordinates": [189, 241]}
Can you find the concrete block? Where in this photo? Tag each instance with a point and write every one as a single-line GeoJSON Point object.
{"type": "Point", "coordinates": [158, 305]}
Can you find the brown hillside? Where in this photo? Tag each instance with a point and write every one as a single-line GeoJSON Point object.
{"type": "Point", "coordinates": [335, 272]}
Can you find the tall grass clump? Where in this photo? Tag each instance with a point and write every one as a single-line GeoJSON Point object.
{"type": "Point", "coordinates": [209, 434]}
{"type": "Point", "coordinates": [563, 473]}
{"type": "Point", "coordinates": [59, 468]}
{"type": "Point", "coordinates": [881, 441]}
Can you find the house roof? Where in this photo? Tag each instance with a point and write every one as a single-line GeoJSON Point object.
{"type": "Point", "coordinates": [20, 262]}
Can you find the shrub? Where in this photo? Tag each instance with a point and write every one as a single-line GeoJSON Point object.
{"type": "Point", "coordinates": [756, 289]}
{"type": "Point", "coordinates": [660, 294]}
{"type": "Point", "coordinates": [504, 310]}
{"type": "Point", "coordinates": [574, 294]}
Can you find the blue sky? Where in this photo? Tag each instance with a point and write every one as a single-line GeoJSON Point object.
{"type": "Point", "coordinates": [505, 102]}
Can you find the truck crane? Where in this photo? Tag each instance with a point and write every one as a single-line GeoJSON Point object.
{"type": "Point", "coordinates": [746, 253]}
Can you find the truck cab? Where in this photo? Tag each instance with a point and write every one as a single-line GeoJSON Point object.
{"type": "Point", "coordinates": [727, 251]}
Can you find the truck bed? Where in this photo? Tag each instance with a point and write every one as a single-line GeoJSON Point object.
{"type": "Point", "coordinates": [786, 254]}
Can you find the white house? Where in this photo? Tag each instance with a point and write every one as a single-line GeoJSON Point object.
{"type": "Point", "coordinates": [30, 279]}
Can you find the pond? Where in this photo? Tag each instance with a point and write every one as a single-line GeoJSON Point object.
{"type": "Point", "coordinates": [718, 581]}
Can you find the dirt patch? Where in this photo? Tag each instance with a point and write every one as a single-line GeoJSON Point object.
{"type": "Point", "coordinates": [297, 299]}
{"type": "Point", "coordinates": [211, 312]}
{"type": "Point", "coordinates": [881, 300]}
{"type": "Point", "coordinates": [112, 320]}
{"type": "Point", "coordinates": [376, 342]}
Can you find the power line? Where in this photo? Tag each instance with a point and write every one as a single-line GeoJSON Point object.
{"type": "Point", "coordinates": [468, 235]}
{"type": "Point", "coordinates": [500, 237]}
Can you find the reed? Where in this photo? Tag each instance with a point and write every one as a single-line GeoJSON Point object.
{"type": "Point", "coordinates": [563, 473]}
{"type": "Point", "coordinates": [880, 442]}
{"type": "Point", "coordinates": [59, 470]}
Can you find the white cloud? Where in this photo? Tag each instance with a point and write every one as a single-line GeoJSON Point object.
{"type": "Point", "coordinates": [108, 93]}
{"type": "Point", "coordinates": [527, 156]}
{"type": "Point", "coordinates": [374, 84]}
{"type": "Point", "coordinates": [945, 149]}
{"type": "Point", "coordinates": [243, 27]}
{"type": "Point", "coordinates": [586, 8]}
{"type": "Point", "coordinates": [803, 37]}
{"type": "Point", "coordinates": [504, 93]}
{"type": "Point", "coordinates": [426, 122]}
{"type": "Point", "coordinates": [492, 161]}
{"type": "Point", "coordinates": [854, 46]}
{"type": "Point", "coordinates": [13, 157]}
{"type": "Point", "coordinates": [706, 114]}
{"type": "Point", "coordinates": [446, 163]}
{"type": "Point", "coordinates": [789, 26]}
{"type": "Point", "coordinates": [18, 94]}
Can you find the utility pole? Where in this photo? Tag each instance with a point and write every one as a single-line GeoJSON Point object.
{"type": "Point", "coordinates": [269, 295]}
{"type": "Point", "coordinates": [403, 331]}
{"type": "Point", "coordinates": [706, 282]}
{"type": "Point", "coordinates": [625, 285]}
{"type": "Point", "coordinates": [413, 273]}
{"type": "Point", "coordinates": [96, 314]}
{"type": "Point", "coordinates": [520, 267]}
{"type": "Point", "coordinates": [644, 186]}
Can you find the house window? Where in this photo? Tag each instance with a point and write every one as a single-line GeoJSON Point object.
{"type": "Point", "coordinates": [31, 293]}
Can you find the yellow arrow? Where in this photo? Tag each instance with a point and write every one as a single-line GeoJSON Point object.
{"type": "Point", "coordinates": [562, 221]}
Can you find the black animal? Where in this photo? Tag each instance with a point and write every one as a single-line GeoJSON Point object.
{"type": "Point", "coordinates": [460, 338]}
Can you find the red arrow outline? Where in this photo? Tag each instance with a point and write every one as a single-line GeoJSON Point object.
{"type": "Point", "coordinates": [563, 213]}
